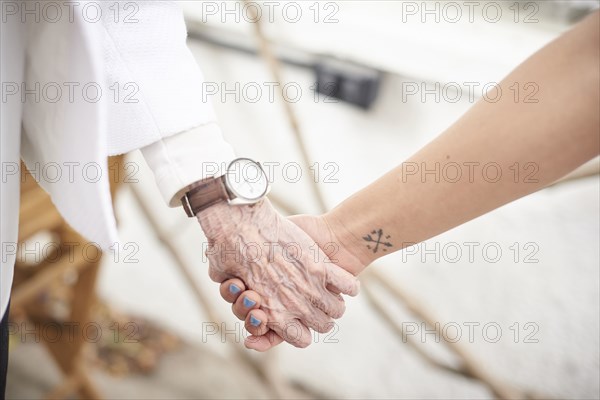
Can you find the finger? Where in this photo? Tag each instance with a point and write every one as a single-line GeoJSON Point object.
{"type": "Point", "coordinates": [317, 320]}
{"type": "Point", "coordinates": [256, 322]}
{"type": "Point", "coordinates": [341, 280]}
{"type": "Point", "coordinates": [331, 304]}
{"type": "Point", "coordinates": [294, 332]}
{"type": "Point", "coordinates": [246, 302]}
{"type": "Point", "coordinates": [332, 289]}
{"type": "Point", "coordinates": [231, 289]}
{"type": "Point", "coordinates": [264, 342]}
{"type": "Point", "coordinates": [216, 275]}
{"type": "Point", "coordinates": [319, 313]}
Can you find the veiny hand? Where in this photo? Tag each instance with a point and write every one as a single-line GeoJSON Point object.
{"type": "Point", "coordinates": [295, 286]}
{"type": "Point", "coordinates": [234, 290]}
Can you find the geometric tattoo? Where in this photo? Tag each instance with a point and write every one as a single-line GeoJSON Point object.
{"type": "Point", "coordinates": [377, 241]}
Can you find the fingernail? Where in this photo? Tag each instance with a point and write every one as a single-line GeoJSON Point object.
{"type": "Point", "coordinates": [248, 303]}
{"type": "Point", "coordinates": [254, 321]}
{"type": "Point", "coordinates": [234, 289]}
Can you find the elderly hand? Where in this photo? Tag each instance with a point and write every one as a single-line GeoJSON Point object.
{"type": "Point", "coordinates": [294, 285]}
{"type": "Point", "coordinates": [331, 237]}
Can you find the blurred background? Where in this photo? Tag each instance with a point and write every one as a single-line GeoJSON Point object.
{"type": "Point", "coordinates": [369, 83]}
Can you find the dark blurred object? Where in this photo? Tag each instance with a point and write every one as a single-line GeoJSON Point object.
{"type": "Point", "coordinates": [348, 82]}
{"type": "Point", "coordinates": [351, 83]}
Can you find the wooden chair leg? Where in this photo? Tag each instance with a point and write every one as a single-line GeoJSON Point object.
{"type": "Point", "coordinates": [66, 388]}
{"type": "Point", "coordinates": [37, 214]}
{"type": "Point", "coordinates": [68, 352]}
{"type": "Point", "coordinates": [88, 389]}
{"type": "Point", "coordinates": [79, 382]}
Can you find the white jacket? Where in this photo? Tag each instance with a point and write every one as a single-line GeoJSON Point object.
{"type": "Point", "coordinates": [94, 83]}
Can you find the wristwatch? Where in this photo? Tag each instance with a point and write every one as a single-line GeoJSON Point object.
{"type": "Point", "coordinates": [244, 182]}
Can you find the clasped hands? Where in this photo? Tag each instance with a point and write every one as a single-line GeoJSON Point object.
{"type": "Point", "coordinates": [281, 281]}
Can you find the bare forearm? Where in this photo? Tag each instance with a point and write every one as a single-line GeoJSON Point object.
{"type": "Point", "coordinates": [496, 153]}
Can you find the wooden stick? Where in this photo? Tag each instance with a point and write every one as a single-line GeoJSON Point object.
{"type": "Point", "coordinates": [471, 365]}
{"type": "Point", "coordinates": [397, 328]}
{"type": "Point", "coordinates": [275, 69]}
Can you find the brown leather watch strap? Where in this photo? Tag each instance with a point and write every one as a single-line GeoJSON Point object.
{"type": "Point", "coordinates": [203, 194]}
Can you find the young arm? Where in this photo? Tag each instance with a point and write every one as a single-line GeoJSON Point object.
{"type": "Point", "coordinates": [542, 140]}
{"type": "Point", "coordinates": [530, 144]}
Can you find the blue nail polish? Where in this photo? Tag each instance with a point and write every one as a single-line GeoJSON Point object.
{"type": "Point", "coordinates": [234, 289]}
{"type": "Point", "coordinates": [248, 303]}
{"type": "Point", "coordinates": [254, 321]}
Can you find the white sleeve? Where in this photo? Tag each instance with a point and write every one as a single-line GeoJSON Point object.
{"type": "Point", "coordinates": [154, 86]}
{"type": "Point", "coordinates": [182, 159]}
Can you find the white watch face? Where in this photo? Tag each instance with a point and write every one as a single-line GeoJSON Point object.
{"type": "Point", "coordinates": [246, 179]}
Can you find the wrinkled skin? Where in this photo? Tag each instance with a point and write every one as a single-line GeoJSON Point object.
{"type": "Point", "coordinates": [324, 230]}
{"type": "Point", "coordinates": [298, 285]}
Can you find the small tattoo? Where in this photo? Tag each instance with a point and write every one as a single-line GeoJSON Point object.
{"type": "Point", "coordinates": [379, 241]}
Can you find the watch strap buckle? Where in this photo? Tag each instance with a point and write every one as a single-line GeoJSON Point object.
{"type": "Point", "coordinates": [204, 194]}
{"type": "Point", "coordinates": [187, 206]}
